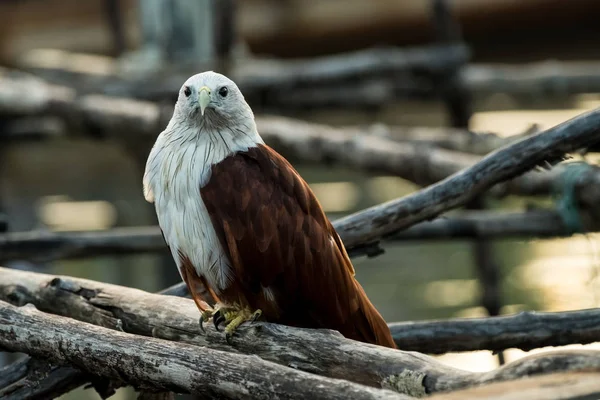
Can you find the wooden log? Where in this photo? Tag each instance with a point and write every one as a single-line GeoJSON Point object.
{"type": "Point", "coordinates": [32, 378]}
{"type": "Point", "coordinates": [172, 318]}
{"type": "Point", "coordinates": [267, 82]}
{"type": "Point", "coordinates": [149, 363]}
{"type": "Point", "coordinates": [47, 245]}
{"type": "Point", "coordinates": [559, 386]}
{"type": "Point", "coordinates": [526, 331]}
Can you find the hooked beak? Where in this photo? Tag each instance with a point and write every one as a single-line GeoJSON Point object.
{"type": "Point", "coordinates": [203, 98]}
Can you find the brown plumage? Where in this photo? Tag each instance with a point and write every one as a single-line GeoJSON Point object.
{"type": "Point", "coordinates": [287, 258]}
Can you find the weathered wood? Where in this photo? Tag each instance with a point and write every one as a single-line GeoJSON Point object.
{"type": "Point", "coordinates": [157, 364]}
{"type": "Point", "coordinates": [526, 331]}
{"type": "Point", "coordinates": [172, 318]}
{"type": "Point", "coordinates": [559, 386]}
{"type": "Point", "coordinates": [32, 378]}
{"type": "Point", "coordinates": [277, 84]}
{"type": "Point", "coordinates": [503, 164]}
{"type": "Point", "coordinates": [47, 245]}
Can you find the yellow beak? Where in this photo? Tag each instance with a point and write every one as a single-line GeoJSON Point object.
{"type": "Point", "coordinates": [203, 98]}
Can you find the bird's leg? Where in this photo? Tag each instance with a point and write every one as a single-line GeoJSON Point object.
{"type": "Point", "coordinates": [231, 315]}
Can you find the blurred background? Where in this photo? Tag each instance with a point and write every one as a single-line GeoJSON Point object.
{"type": "Point", "coordinates": [487, 66]}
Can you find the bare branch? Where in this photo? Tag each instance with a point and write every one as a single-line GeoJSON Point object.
{"type": "Point", "coordinates": [526, 331]}
{"type": "Point", "coordinates": [46, 246]}
{"type": "Point", "coordinates": [173, 318]}
{"type": "Point", "coordinates": [150, 363]}
{"type": "Point", "coordinates": [506, 163]}
{"type": "Point", "coordinates": [277, 84]}
{"type": "Point", "coordinates": [32, 378]}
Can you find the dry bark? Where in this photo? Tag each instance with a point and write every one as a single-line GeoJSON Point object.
{"type": "Point", "coordinates": [46, 246]}
{"type": "Point", "coordinates": [504, 164]}
{"type": "Point", "coordinates": [172, 318]}
{"type": "Point", "coordinates": [526, 331]}
{"type": "Point", "coordinates": [559, 386]}
{"type": "Point", "coordinates": [149, 363]}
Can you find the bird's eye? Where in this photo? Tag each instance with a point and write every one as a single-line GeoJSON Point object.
{"type": "Point", "coordinates": [223, 91]}
{"type": "Point", "coordinates": [187, 91]}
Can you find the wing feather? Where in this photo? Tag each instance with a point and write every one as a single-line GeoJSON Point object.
{"type": "Point", "coordinates": [278, 237]}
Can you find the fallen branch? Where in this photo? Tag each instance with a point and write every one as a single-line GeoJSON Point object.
{"type": "Point", "coordinates": [526, 331]}
{"type": "Point", "coordinates": [149, 363]}
{"type": "Point", "coordinates": [534, 80]}
{"type": "Point", "coordinates": [47, 245]}
{"type": "Point", "coordinates": [508, 162]}
{"type": "Point", "coordinates": [32, 378]}
{"type": "Point", "coordinates": [266, 82]}
{"type": "Point", "coordinates": [559, 386]}
{"type": "Point", "coordinates": [172, 318]}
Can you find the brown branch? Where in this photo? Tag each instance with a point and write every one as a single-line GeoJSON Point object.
{"type": "Point", "coordinates": [172, 318]}
{"type": "Point", "coordinates": [46, 246]}
{"type": "Point", "coordinates": [149, 363]}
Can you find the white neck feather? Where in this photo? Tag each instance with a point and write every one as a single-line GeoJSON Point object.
{"type": "Point", "coordinates": [178, 166]}
{"type": "Point", "coordinates": [193, 150]}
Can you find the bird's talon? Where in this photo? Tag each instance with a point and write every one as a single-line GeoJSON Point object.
{"type": "Point", "coordinates": [217, 319]}
{"type": "Point", "coordinates": [256, 315]}
{"type": "Point", "coordinates": [201, 323]}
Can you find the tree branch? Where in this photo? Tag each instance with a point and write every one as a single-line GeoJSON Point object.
{"type": "Point", "coordinates": [47, 245]}
{"type": "Point", "coordinates": [33, 378]}
{"type": "Point", "coordinates": [149, 363]}
{"type": "Point", "coordinates": [526, 331]}
{"type": "Point", "coordinates": [508, 162]}
{"type": "Point", "coordinates": [276, 84]}
{"type": "Point", "coordinates": [172, 318]}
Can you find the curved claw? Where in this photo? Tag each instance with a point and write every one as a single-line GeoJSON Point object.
{"type": "Point", "coordinates": [202, 324]}
{"type": "Point", "coordinates": [217, 319]}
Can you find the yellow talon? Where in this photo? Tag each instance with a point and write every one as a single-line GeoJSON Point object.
{"type": "Point", "coordinates": [232, 316]}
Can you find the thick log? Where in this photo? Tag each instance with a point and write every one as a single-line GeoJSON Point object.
{"type": "Point", "coordinates": [172, 318]}
{"type": "Point", "coordinates": [149, 363]}
{"type": "Point", "coordinates": [560, 386]}
{"type": "Point", "coordinates": [47, 245]}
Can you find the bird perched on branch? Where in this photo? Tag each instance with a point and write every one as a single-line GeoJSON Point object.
{"type": "Point", "coordinates": [242, 223]}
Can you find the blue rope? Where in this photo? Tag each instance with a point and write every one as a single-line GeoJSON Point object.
{"type": "Point", "coordinates": [564, 192]}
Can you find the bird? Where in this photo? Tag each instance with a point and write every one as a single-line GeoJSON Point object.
{"type": "Point", "coordinates": [244, 226]}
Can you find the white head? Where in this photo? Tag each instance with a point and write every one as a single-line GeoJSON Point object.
{"type": "Point", "coordinates": [211, 101]}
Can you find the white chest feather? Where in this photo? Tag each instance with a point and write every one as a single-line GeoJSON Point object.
{"type": "Point", "coordinates": [178, 166]}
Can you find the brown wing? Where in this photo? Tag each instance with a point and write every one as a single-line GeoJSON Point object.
{"type": "Point", "coordinates": [287, 258]}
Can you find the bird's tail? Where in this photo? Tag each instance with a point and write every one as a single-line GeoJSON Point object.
{"type": "Point", "coordinates": [370, 325]}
